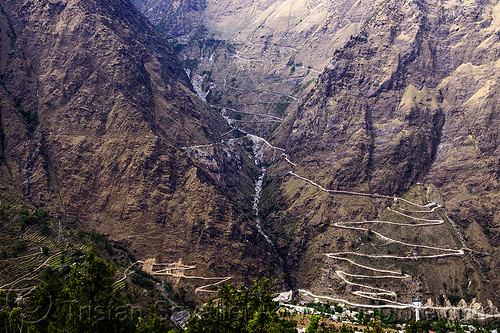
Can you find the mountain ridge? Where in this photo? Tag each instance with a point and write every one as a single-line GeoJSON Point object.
{"type": "Point", "coordinates": [394, 109]}
{"type": "Point", "coordinates": [317, 181]}
{"type": "Point", "coordinates": [95, 112]}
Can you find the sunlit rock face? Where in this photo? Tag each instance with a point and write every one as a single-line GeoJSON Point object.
{"type": "Point", "coordinates": [96, 112]}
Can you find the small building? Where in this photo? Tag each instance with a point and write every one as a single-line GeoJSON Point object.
{"type": "Point", "coordinates": [284, 297]}
{"type": "Point", "coordinates": [417, 304]}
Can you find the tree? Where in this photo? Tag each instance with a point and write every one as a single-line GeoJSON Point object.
{"type": "Point", "coordinates": [313, 325]}
{"type": "Point", "coordinates": [153, 324]}
{"type": "Point", "coordinates": [346, 329]}
{"type": "Point", "coordinates": [374, 327]}
{"type": "Point", "coordinates": [241, 310]}
{"type": "Point", "coordinates": [85, 303]}
{"type": "Point", "coordinates": [11, 316]}
{"type": "Point", "coordinates": [46, 300]}
{"type": "Point", "coordinates": [416, 326]}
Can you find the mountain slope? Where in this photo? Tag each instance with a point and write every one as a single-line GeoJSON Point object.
{"type": "Point", "coordinates": [254, 58]}
{"type": "Point", "coordinates": [411, 99]}
{"type": "Point", "coordinates": [405, 106]}
{"type": "Point", "coordinates": [95, 110]}
{"type": "Point", "coordinates": [173, 18]}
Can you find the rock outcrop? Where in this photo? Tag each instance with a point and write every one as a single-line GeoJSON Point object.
{"type": "Point", "coordinates": [256, 57]}
{"type": "Point", "coordinates": [412, 98]}
{"type": "Point", "coordinates": [173, 18]}
{"type": "Point", "coordinates": [95, 110]}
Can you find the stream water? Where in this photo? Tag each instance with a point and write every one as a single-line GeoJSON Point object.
{"type": "Point", "coordinates": [256, 200]}
{"type": "Point", "coordinates": [258, 151]}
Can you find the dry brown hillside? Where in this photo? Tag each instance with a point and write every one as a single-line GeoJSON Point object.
{"type": "Point", "coordinates": [95, 112]}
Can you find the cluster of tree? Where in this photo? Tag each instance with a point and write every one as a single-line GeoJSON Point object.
{"type": "Point", "coordinates": [243, 309]}
{"type": "Point", "coordinates": [316, 327]}
{"type": "Point", "coordinates": [252, 309]}
{"type": "Point", "coordinates": [325, 307]}
{"type": "Point", "coordinates": [82, 301]}
{"type": "Point", "coordinates": [85, 300]}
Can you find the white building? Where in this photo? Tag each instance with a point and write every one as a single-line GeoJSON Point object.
{"type": "Point", "coordinates": [284, 297]}
{"type": "Point", "coordinates": [417, 304]}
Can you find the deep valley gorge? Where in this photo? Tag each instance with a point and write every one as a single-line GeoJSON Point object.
{"type": "Point", "coordinates": [347, 150]}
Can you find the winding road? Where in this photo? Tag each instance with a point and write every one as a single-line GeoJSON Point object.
{"type": "Point", "coordinates": [380, 294]}
{"type": "Point", "coordinates": [365, 290]}
{"type": "Point", "coordinates": [401, 306]}
{"type": "Point", "coordinates": [128, 272]}
{"type": "Point", "coordinates": [178, 269]}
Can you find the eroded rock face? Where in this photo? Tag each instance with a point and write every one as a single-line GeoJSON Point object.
{"type": "Point", "coordinates": [94, 110]}
{"type": "Point", "coordinates": [410, 98]}
{"type": "Point", "coordinates": [256, 57]}
{"type": "Point", "coordinates": [173, 18]}
{"type": "Point", "coordinates": [372, 120]}
{"type": "Point", "coordinates": [413, 98]}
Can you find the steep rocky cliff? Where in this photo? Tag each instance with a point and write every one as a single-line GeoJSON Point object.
{"type": "Point", "coordinates": [382, 184]}
{"type": "Point", "coordinates": [173, 18]}
{"type": "Point", "coordinates": [406, 106]}
{"type": "Point", "coordinates": [255, 58]}
{"type": "Point", "coordinates": [412, 98]}
{"type": "Point", "coordinates": [95, 110]}
{"type": "Point", "coordinates": [386, 96]}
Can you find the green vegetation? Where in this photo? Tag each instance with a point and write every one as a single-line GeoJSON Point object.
{"type": "Point", "coordinates": [241, 310]}
{"type": "Point", "coordinates": [32, 217]}
{"type": "Point", "coordinates": [440, 326]}
{"type": "Point", "coordinates": [314, 325]}
{"type": "Point", "coordinates": [80, 292]}
{"type": "Point", "coordinates": [85, 298]}
{"type": "Point", "coordinates": [322, 328]}
{"type": "Point", "coordinates": [82, 301]}
{"type": "Point", "coordinates": [324, 308]}
{"type": "Point", "coordinates": [20, 247]}
{"type": "Point", "coordinates": [301, 87]}
{"type": "Point", "coordinates": [382, 320]}
{"type": "Point", "coordinates": [61, 275]}
{"type": "Point", "coordinates": [143, 279]}
{"type": "Point", "coordinates": [280, 108]}
{"type": "Point", "coordinates": [2, 140]}
{"type": "Point", "coordinates": [454, 299]}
